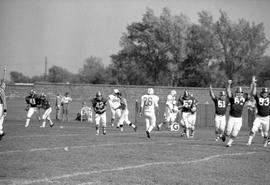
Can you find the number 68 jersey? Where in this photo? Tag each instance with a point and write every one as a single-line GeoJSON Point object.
{"type": "Point", "coordinates": [149, 102]}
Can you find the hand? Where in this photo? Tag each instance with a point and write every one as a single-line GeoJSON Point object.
{"type": "Point", "coordinates": [5, 114]}
{"type": "Point", "coordinates": [210, 86]}
{"type": "Point", "coordinates": [230, 81]}
{"type": "Point", "coordinates": [254, 80]}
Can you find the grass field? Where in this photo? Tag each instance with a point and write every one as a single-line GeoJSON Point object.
{"type": "Point", "coordinates": [36, 156]}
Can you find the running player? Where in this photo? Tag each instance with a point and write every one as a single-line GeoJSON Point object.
{"type": "Point", "coordinates": [262, 117]}
{"type": "Point", "coordinates": [149, 107]}
{"type": "Point", "coordinates": [188, 119]}
{"type": "Point", "coordinates": [221, 104]}
{"type": "Point", "coordinates": [99, 105]}
{"type": "Point", "coordinates": [171, 110]}
{"type": "Point", "coordinates": [45, 104]}
{"type": "Point", "coordinates": [114, 102]}
{"type": "Point", "coordinates": [32, 101]}
{"type": "Point", "coordinates": [124, 114]}
{"type": "Point", "coordinates": [237, 103]}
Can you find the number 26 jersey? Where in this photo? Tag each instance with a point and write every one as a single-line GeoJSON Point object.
{"type": "Point", "coordinates": [149, 102]}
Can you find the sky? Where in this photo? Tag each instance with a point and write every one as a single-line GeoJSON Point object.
{"type": "Point", "coordinates": [70, 31]}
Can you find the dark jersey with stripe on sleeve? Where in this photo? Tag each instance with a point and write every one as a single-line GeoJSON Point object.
{"type": "Point", "coordinates": [187, 103]}
{"type": "Point", "coordinates": [220, 106]}
{"type": "Point", "coordinates": [99, 105]}
{"type": "Point", "coordinates": [263, 105]}
{"type": "Point", "coordinates": [32, 100]}
{"type": "Point", "coordinates": [45, 104]}
{"type": "Point", "coordinates": [237, 105]}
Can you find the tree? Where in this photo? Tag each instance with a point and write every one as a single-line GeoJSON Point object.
{"type": "Point", "coordinates": [243, 45]}
{"type": "Point", "coordinates": [18, 77]}
{"type": "Point", "coordinates": [58, 74]}
{"type": "Point", "coordinates": [93, 71]}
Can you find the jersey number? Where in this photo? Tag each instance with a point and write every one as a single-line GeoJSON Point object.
{"type": "Point", "coordinates": [240, 100]}
{"type": "Point", "coordinates": [100, 105]}
{"type": "Point", "coordinates": [148, 101]}
{"type": "Point", "coordinates": [187, 103]}
{"type": "Point", "coordinates": [263, 101]}
{"type": "Point", "coordinates": [32, 101]}
{"type": "Point", "coordinates": [221, 104]}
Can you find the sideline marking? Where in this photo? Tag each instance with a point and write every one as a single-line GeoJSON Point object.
{"type": "Point", "coordinates": [51, 179]}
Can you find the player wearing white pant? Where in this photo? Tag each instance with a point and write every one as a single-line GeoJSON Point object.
{"type": "Point", "coordinates": [237, 103]}
{"type": "Point", "coordinates": [3, 108]}
{"type": "Point", "coordinates": [45, 104]}
{"type": "Point", "coordinates": [32, 101]}
{"type": "Point", "coordinates": [114, 102]}
{"type": "Point", "coordinates": [221, 104]}
{"type": "Point", "coordinates": [124, 114]}
{"type": "Point", "coordinates": [171, 110]}
{"type": "Point", "coordinates": [262, 117]}
{"type": "Point", "coordinates": [149, 107]}
{"type": "Point", "coordinates": [99, 105]}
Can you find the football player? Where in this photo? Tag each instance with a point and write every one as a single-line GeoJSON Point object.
{"type": "Point", "coordinates": [45, 104]}
{"type": "Point", "coordinates": [114, 102]}
{"type": "Point", "coordinates": [237, 102]}
{"type": "Point", "coordinates": [124, 114]}
{"type": "Point", "coordinates": [149, 107]}
{"type": "Point", "coordinates": [32, 101]}
{"type": "Point", "coordinates": [99, 105]}
{"type": "Point", "coordinates": [3, 107]}
{"type": "Point", "coordinates": [262, 116]}
{"type": "Point", "coordinates": [221, 104]}
{"type": "Point", "coordinates": [188, 104]}
{"type": "Point", "coordinates": [171, 110]}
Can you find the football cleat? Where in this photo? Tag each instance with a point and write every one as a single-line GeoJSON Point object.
{"type": "Point", "coordinates": [148, 134]}
{"type": "Point", "coordinates": [51, 125]}
{"type": "Point", "coordinates": [248, 144]}
{"type": "Point", "coordinates": [228, 145]}
{"type": "Point", "coordinates": [2, 135]}
{"type": "Point", "coordinates": [223, 138]}
{"type": "Point", "coordinates": [135, 129]}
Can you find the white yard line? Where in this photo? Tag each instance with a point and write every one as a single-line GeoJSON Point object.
{"type": "Point", "coordinates": [132, 167]}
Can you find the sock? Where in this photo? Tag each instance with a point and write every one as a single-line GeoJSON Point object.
{"type": "Point", "coordinates": [250, 139]}
{"type": "Point", "coordinates": [230, 141]}
{"type": "Point", "coordinates": [132, 125]}
{"type": "Point", "coordinates": [27, 121]}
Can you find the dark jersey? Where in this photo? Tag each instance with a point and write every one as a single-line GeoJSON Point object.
{"type": "Point", "coordinates": [33, 101]}
{"type": "Point", "coordinates": [99, 105]}
{"type": "Point", "coordinates": [188, 103]}
{"type": "Point", "coordinates": [263, 105]}
{"type": "Point", "coordinates": [237, 105]}
{"type": "Point", "coordinates": [220, 106]}
{"type": "Point", "coordinates": [45, 104]}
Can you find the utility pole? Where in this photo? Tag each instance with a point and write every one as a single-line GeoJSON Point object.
{"type": "Point", "coordinates": [45, 74]}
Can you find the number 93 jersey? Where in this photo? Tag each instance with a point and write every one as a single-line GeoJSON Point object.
{"type": "Point", "coordinates": [263, 105]}
{"type": "Point", "coordinates": [149, 102]}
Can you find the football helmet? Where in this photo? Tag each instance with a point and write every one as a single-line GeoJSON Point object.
{"type": "Point", "coordinates": [264, 92]}
{"type": "Point", "coordinates": [150, 91]}
{"type": "Point", "coordinates": [186, 94]}
{"type": "Point", "coordinates": [173, 92]}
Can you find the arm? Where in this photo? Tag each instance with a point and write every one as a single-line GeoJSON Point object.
{"type": "Point", "coordinates": [211, 92]}
{"type": "Point", "coordinates": [253, 85]}
{"type": "Point", "coordinates": [229, 92]}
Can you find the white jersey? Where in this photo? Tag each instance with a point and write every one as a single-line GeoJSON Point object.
{"type": "Point", "coordinates": [149, 102]}
{"type": "Point", "coordinates": [114, 101]}
{"type": "Point", "coordinates": [171, 101]}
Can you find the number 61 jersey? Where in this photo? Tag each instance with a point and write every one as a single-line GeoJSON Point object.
{"type": "Point", "coordinates": [220, 105]}
{"type": "Point", "coordinates": [149, 102]}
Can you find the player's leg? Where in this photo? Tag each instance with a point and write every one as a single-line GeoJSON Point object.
{"type": "Point", "coordinates": [113, 112]}
{"type": "Point", "coordinates": [103, 120]}
{"type": "Point", "coordinates": [236, 128]}
{"type": "Point", "coordinates": [192, 118]}
{"type": "Point", "coordinates": [222, 125]}
{"type": "Point", "coordinates": [254, 129]}
{"type": "Point", "coordinates": [1, 121]}
{"type": "Point", "coordinates": [217, 126]}
{"type": "Point", "coordinates": [147, 124]}
{"type": "Point", "coordinates": [49, 117]}
{"type": "Point", "coordinates": [97, 122]}
{"type": "Point", "coordinates": [127, 121]}
{"type": "Point", "coordinates": [29, 115]}
{"type": "Point", "coordinates": [183, 123]}
{"type": "Point", "coordinates": [44, 117]}
{"type": "Point", "coordinates": [265, 129]}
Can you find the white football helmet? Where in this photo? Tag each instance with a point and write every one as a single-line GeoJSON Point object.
{"type": "Point", "coordinates": [150, 91]}
{"type": "Point", "coordinates": [173, 92]}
